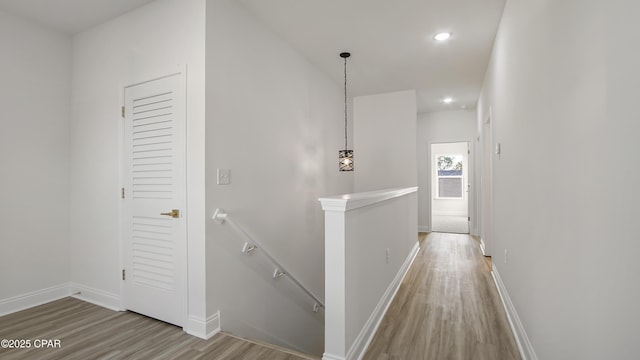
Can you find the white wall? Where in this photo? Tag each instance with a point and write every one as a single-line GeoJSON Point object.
{"type": "Point", "coordinates": [384, 150]}
{"type": "Point", "coordinates": [440, 127]}
{"type": "Point", "coordinates": [449, 207]}
{"type": "Point", "coordinates": [35, 72]}
{"type": "Point", "coordinates": [562, 85]}
{"type": "Point", "coordinates": [151, 41]}
{"type": "Point", "coordinates": [276, 122]}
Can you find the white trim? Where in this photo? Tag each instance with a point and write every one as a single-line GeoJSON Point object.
{"type": "Point", "coordinates": [150, 77]}
{"type": "Point", "coordinates": [296, 353]}
{"type": "Point", "coordinates": [34, 298]}
{"type": "Point", "coordinates": [472, 212]}
{"type": "Point", "coordinates": [482, 247]}
{"type": "Point", "coordinates": [363, 340]}
{"type": "Point", "coordinates": [349, 202]}
{"type": "Point", "coordinates": [524, 345]}
{"type": "Point", "coordinates": [203, 328]}
{"type": "Point", "coordinates": [422, 228]}
{"type": "Point", "coordinates": [96, 296]}
{"type": "Point", "coordinates": [326, 356]}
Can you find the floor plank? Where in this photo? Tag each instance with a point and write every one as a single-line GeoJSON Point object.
{"type": "Point", "coordinates": [446, 308]}
{"type": "Point", "coordinates": [87, 331]}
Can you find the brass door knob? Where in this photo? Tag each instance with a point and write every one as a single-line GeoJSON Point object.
{"type": "Point", "coordinates": [175, 213]}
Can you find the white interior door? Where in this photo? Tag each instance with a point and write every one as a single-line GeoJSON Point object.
{"type": "Point", "coordinates": [154, 231]}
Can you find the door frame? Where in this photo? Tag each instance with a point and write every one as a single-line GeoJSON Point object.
{"type": "Point", "coordinates": [486, 183]}
{"type": "Point", "coordinates": [145, 77]}
{"type": "Point", "coordinates": [471, 196]}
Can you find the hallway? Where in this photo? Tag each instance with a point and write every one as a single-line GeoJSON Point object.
{"type": "Point", "coordinates": [446, 308]}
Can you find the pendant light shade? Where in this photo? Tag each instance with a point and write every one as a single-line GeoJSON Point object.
{"type": "Point", "coordinates": [346, 160]}
{"type": "Point", "coordinates": [345, 157]}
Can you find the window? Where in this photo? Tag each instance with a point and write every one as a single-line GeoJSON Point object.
{"type": "Point", "coordinates": [449, 182]}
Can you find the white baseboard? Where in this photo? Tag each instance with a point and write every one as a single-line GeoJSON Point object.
{"type": "Point", "coordinates": [362, 341]}
{"type": "Point", "coordinates": [482, 247]}
{"type": "Point", "coordinates": [422, 228]}
{"type": "Point", "coordinates": [34, 298]}
{"type": "Point", "coordinates": [203, 328]}
{"type": "Point", "coordinates": [288, 350]}
{"type": "Point", "coordinates": [326, 356]}
{"type": "Point", "coordinates": [524, 345]}
{"type": "Point", "coordinates": [96, 296]}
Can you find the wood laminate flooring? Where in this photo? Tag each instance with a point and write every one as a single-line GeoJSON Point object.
{"type": "Point", "coordinates": [447, 308]}
{"type": "Point", "coordinates": [87, 331]}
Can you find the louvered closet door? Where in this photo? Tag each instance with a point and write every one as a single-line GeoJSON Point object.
{"type": "Point", "coordinates": [154, 160]}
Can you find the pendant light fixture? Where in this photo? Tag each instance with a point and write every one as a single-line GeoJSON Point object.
{"type": "Point", "coordinates": [345, 156]}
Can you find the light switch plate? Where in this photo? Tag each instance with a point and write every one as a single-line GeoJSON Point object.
{"type": "Point", "coordinates": [224, 176]}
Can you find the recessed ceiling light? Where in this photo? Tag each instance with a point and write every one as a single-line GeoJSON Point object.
{"type": "Point", "coordinates": [442, 36]}
{"type": "Point", "coordinates": [447, 100]}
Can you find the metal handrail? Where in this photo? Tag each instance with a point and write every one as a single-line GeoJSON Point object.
{"type": "Point", "coordinates": [251, 244]}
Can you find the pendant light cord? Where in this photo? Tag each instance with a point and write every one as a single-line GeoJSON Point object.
{"type": "Point", "coordinates": [345, 104]}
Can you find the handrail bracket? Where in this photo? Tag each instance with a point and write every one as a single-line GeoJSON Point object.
{"type": "Point", "coordinates": [248, 248]}
{"type": "Point", "coordinates": [277, 273]}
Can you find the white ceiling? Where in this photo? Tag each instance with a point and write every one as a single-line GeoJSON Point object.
{"type": "Point", "coordinates": [70, 16]}
{"type": "Point", "coordinates": [391, 42]}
